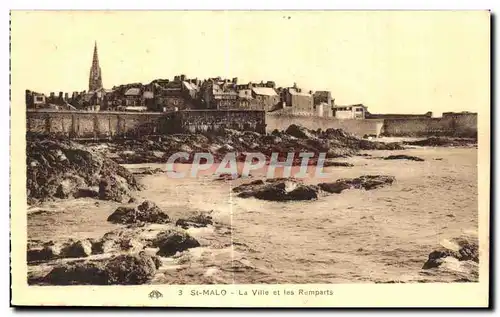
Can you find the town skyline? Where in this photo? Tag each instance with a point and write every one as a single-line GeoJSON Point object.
{"type": "Point", "coordinates": [373, 64]}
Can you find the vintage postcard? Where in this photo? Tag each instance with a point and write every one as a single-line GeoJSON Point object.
{"type": "Point", "coordinates": [250, 158]}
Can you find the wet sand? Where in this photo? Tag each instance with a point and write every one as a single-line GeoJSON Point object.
{"type": "Point", "coordinates": [382, 235]}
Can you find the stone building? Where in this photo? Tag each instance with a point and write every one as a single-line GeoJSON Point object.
{"type": "Point", "coordinates": [300, 102]}
{"type": "Point", "coordinates": [350, 111]}
{"type": "Point", "coordinates": [179, 94]}
{"type": "Point", "coordinates": [266, 97]}
{"type": "Point", "coordinates": [322, 97]}
{"type": "Point", "coordinates": [34, 100]}
{"type": "Point", "coordinates": [221, 94]}
{"type": "Point", "coordinates": [133, 97]}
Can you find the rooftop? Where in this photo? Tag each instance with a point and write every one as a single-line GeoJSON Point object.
{"type": "Point", "coordinates": [265, 91]}
{"type": "Point", "coordinates": [133, 92]}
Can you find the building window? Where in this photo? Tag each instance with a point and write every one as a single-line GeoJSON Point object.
{"type": "Point", "coordinates": [359, 109]}
{"type": "Point", "coordinates": [39, 99]}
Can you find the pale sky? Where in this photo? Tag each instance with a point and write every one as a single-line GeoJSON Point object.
{"type": "Point", "coordinates": [393, 62]}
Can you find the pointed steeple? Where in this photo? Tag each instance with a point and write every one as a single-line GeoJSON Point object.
{"type": "Point", "coordinates": [95, 78]}
{"type": "Point", "coordinates": [95, 59]}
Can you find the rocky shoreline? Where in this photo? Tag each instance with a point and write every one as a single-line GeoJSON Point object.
{"type": "Point", "coordinates": [63, 169]}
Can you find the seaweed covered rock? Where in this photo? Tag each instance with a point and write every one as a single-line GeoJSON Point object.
{"type": "Point", "coordinates": [404, 157]}
{"type": "Point", "coordinates": [444, 142]}
{"type": "Point", "coordinates": [147, 211]}
{"type": "Point", "coordinates": [130, 269]}
{"type": "Point", "coordinates": [77, 249]}
{"type": "Point", "coordinates": [367, 182]}
{"type": "Point", "coordinates": [60, 168]}
{"type": "Point", "coordinates": [70, 186]}
{"type": "Point", "coordinates": [330, 163]}
{"type": "Point", "coordinates": [299, 132]}
{"type": "Point", "coordinates": [279, 189]}
{"type": "Point", "coordinates": [114, 187]}
{"type": "Point", "coordinates": [86, 273]}
{"type": "Point", "coordinates": [123, 269]}
{"type": "Point", "coordinates": [172, 241]}
{"type": "Point", "coordinates": [120, 240]}
{"type": "Point", "coordinates": [40, 254]}
{"type": "Point", "coordinates": [51, 251]}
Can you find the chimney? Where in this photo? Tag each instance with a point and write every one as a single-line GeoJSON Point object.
{"type": "Point", "coordinates": [66, 95]}
{"type": "Point", "coordinates": [235, 80]}
{"type": "Point", "coordinates": [183, 77]}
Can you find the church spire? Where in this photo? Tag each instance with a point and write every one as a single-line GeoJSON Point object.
{"type": "Point", "coordinates": [95, 78]}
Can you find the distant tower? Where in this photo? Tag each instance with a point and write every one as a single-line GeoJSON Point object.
{"type": "Point", "coordinates": [95, 78]}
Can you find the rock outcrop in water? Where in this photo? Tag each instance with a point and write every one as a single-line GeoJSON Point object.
{"type": "Point", "coordinates": [145, 212]}
{"type": "Point", "coordinates": [404, 157]}
{"type": "Point", "coordinates": [367, 182]}
{"type": "Point", "coordinates": [119, 270]}
{"type": "Point", "coordinates": [196, 221]}
{"type": "Point", "coordinates": [463, 248]}
{"type": "Point", "coordinates": [442, 141]}
{"type": "Point", "coordinates": [277, 190]}
{"type": "Point", "coordinates": [122, 256]}
{"type": "Point", "coordinates": [174, 240]}
{"type": "Point", "coordinates": [65, 169]}
{"type": "Point", "coordinates": [51, 251]}
{"type": "Point", "coordinates": [283, 189]}
{"type": "Point", "coordinates": [456, 259]}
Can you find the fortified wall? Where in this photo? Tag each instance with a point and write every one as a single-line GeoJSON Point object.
{"type": "Point", "coordinates": [450, 124]}
{"type": "Point", "coordinates": [104, 124]}
{"type": "Point", "coordinates": [107, 124]}
{"type": "Point", "coordinates": [355, 126]}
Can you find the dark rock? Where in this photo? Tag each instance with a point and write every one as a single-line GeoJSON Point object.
{"type": "Point", "coordinates": [467, 249]}
{"type": "Point", "coordinates": [69, 186]}
{"type": "Point", "coordinates": [86, 192]}
{"type": "Point", "coordinates": [197, 221]}
{"type": "Point", "coordinates": [277, 189]}
{"type": "Point", "coordinates": [174, 240]}
{"type": "Point", "coordinates": [303, 192]}
{"type": "Point", "coordinates": [87, 273]}
{"type": "Point", "coordinates": [442, 141]}
{"type": "Point", "coordinates": [436, 257]}
{"type": "Point", "coordinates": [119, 270]}
{"type": "Point", "coordinates": [335, 187]}
{"type": "Point", "coordinates": [227, 177]}
{"type": "Point", "coordinates": [366, 182]}
{"type": "Point", "coordinates": [59, 168]}
{"type": "Point", "coordinates": [337, 164]}
{"type": "Point", "coordinates": [299, 132]}
{"type": "Point", "coordinates": [404, 157]}
{"type": "Point", "coordinates": [150, 171]}
{"type": "Point", "coordinates": [145, 212]}
{"type": "Point", "coordinates": [39, 254]}
{"type": "Point", "coordinates": [78, 249]}
{"type": "Point", "coordinates": [130, 269]}
{"type": "Point", "coordinates": [248, 186]}
{"type": "Point", "coordinates": [157, 261]}
{"type": "Point", "coordinates": [119, 240]}
{"type": "Point", "coordinates": [114, 187]}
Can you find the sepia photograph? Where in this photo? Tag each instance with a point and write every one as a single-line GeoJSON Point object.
{"type": "Point", "coordinates": [219, 149]}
